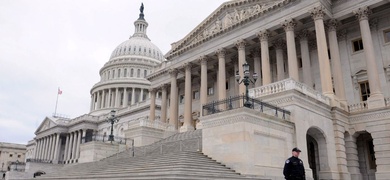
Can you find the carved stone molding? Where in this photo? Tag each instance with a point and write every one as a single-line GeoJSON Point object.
{"type": "Point", "coordinates": [203, 60]}
{"type": "Point", "coordinates": [303, 34]}
{"type": "Point", "coordinates": [362, 13]}
{"type": "Point", "coordinates": [332, 25]}
{"type": "Point", "coordinates": [342, 35]}
{"type": "Point", "coordinates": [317, 12]}
{"type": "Point", "coordinates": [279, 44]}
{"type": "Point", "coordinates": [289, 24]}
{"type": "Point", "coordinates": [240, 44]}
{"type": "Point", "coordinates": [373, 24]}
{"type": "Point", "coordinates": [173, 72]}
{"type": "Point", "coordinates": [221, 53]}
{"type": "Point", "coordinates": [263, 35]}
{"type": "Point", "coordinates": [255, 52]}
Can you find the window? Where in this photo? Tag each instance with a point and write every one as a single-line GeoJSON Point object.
{"type": "Point", "coordinates": [108, 77]}
{"type": "Point", "coordinates": [138, 72]}
{"type": "Point", "coordinates": [357, 45]}
{"type": "Point", "coordinates": [113, 73]}
{"type": "Point", "coordinates": [145, 73]}
{"type": "Point", "coordinates": [125, 73]}
{"type": "Point", "coordinates": [19, 156]}
{"type": "Point", "coordinates": [129, 48]}
{"type": "Point", "coordinates": [195, 95]}
{"type": "Point", "coordinates": [386, 34]}
{"type": "Point", "coordinates": [131, 72]}
{"type": "Point", "coordinates": [119, 73]}
{"type": "Point", "coordinates": [227, 85]}
{"type": "Point", "coordinates": [300, 62]}
{"type": "Point", "coordinates": [135, 48]}
{"type": "Point", "coordinates": [210, 90]}
{"type": "Point", "coordinates": [10, 155]}
{"type": "Point", "coordinates": [181, 99]}
{"type": "Point", "coordinates": [364, 90]}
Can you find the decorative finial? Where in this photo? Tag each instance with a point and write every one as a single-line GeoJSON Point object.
{"type": "Point", "coordinates": [141, 9]}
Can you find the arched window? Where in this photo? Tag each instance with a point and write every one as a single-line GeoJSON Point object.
{"type": "Point", "coordinates": [125, 73]}
{"type": "Point", "coordinates": [113, 73]}
{"type": "Point", "coordinates": [139, 73]}
{"type": "Point", "coordinates": [145, 73]}
{"type": "Point", "coordinates": [119, 73]}
{"type": "Point", "coordinates": [108, 77]}
{"type": "Point", "coordinates": [132, 73]}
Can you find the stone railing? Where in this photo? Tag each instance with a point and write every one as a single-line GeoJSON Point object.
{"type": "Point", "coordinates": [358, 106]}
{"type": "Point", "coordinates": [189, 145]}
{"type": "Point", "coordinates": [143, 122]}
{"type": "Point", "coordinates": [285, 85]}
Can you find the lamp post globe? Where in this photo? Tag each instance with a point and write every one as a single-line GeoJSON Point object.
{"type": "Point", "coordinates": [246, 80]}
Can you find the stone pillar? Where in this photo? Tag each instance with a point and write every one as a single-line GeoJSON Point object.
{"type": "Point", "coordinates": [240, 44]}
{"type": "Point", "coordinates": [152, 113]}
{"type": "Point", "coordinates": [164, 103]}
{"type": "Point", "coordinates": [92, 106]}
{"type": "Point", "coordinates": [83, 136]}
{"type": "Point", "coordinates": [305, 54]}
{"type": "Point", "coordinates": [265, 64]}
{"type": "Point", "coordinates": [77, 155]}
{"type": "Point", "coordinates": [66, 148]}
{"type": "Point", "coordinates": [221, 75]}
{"type": "Point", "coordinates": [103, 100]}
{"type": "Point", "coordinates": [74, 145]}
{"type": "Point", "coordinates": [50, 146]}
{"type": "Point", "coordinates": [98, 105]}
{"type": "Point", "coordinates": [352, 157]}
{"type": "Point", "coordinates": [44, 149]}
{"type": "Point", "coordinates": [336, 61]}
{"type": "Point", "coordinates": [339, 131]}
{"type": "Point", "coordinates": [279, 46]}
{"type": "Point", "coordinates": [141, 96]}
{"type": "Point", "coordinates": [70, 147]}
{"type": "Point", "coordinates": [57, 148]}
{"type": "Point", "coordinates": [256, 65]}
{"type": "Point", "coordinates": [133, 96]}
{"type": "Point", "coordinates": [125, 97]}
{"type": "Point", "coordinates": [376, 98]}
{"type": "Point", "coordinates": [381, 147]}
{"type": "Point", "coordinates": [187, 126]}
{"type": "Point", "coordinates": [289, 26]}
{"type": "Point", "coordinates": [174, 99]}
{"type": "Point", "coordinates": [37, 150]}
{"type": "Point", "coordinates": [117, 97]}
{"type": "Point", "coordinates": [110, 101]}
{"type": "Point", "coordinates": [317, 14]}
{"type": "Point", "coordinates": [203, 82]}
{"type": "Point", "coordinates": [41, 148]}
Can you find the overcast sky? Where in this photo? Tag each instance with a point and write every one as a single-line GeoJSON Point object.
{"type": "Point", "coordinates": [46, 44]}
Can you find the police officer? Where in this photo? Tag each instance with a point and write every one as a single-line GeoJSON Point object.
{"type": "Point", "coordinates": [293, 168]}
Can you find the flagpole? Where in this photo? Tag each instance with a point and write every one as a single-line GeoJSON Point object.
{"type": "Point", "coordinates": [55, 111]}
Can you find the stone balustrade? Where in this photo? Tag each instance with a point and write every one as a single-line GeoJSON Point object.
{"type": "Point", "coordinates": [358, 106]}
{"type": "Point", "coordinates": [387, 101]}
{"type": "Point", "coordinates": [144, 122]}
{"type": "Point", "coordinates": [285, 85]}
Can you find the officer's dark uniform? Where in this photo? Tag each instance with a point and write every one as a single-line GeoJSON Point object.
{"type": "Point", "coordinates": [293, 168]}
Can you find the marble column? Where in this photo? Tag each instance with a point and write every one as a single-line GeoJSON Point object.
{"type": "Point", "coordinates": [257, 65]}
{"type": "Point", "coordinates": [305, 55]}
{"type": "Point", "coordinates": [66, 148]}
{"type": "Point", "coordinates": [174, 99]}
{"type": "Point", "coordinates": [203, 82]}
{"type": "Point", "coordinates": [133, 96]}
{"type": "Point", "coordinates": [336, 61]}
{"type": "Point", "coordinates": [44, 149]}
{"type": "Point", "coordinates": [221, 75]}
{"type": "Point", "coordinates": [92, 105]}
{"type": "Point", "coordinates": [56, 149]}
{"type": "Point", "coordinates": [70, 147]}
{"type": "Point", "coordinates": [352, 157]}
{"type": "Point", "coordinates": [240, 44]}
{"type": "Point", "coordinates": [117, 98]}
{"type": "Point", "coordinates": [152, 113]}
{"type": "Point", "coordinates": [37, 148]}
{"type": "Point", "coordinates": [74, 145]}
{"type": "Point", "coordinates": [265, 64]}
{"type": "Point", "coordinates": [187, 125]}
{"type": "Point", "coordinates": [317, 14]}
{"type": "Point", "coordinates": [50, 146]}
{"type": "Point", "coordinates": [141, 96]}
{"type": "Point", "coordinates": [164, 103]}
{"type": "Point", "coordinates": [103, 100]}
{"type": "Point", "coordinates": [125, 98]}
{"type": "Point", "coordinates": [376, 98]}
{"type": "Point", "coordinates": [83, 136]}
{"type": "Point", "coordinates": [41, 149]}
{"type": "Point", "coordinates": [279, 46]}
{"type": "Point", "coordinates": [289, 26]}
{"type": "Point", "coordinates": [98, 105]}
{"type": "Point", "coordinates": [77, 155]}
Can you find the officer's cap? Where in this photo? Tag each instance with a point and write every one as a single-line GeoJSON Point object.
{"type": "Point", "coordinates": [296, 149]}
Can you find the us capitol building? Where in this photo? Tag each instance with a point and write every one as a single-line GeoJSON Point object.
{"type": "Point", "coordinates": [318, 78]}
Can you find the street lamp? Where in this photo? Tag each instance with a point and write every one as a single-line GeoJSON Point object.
{"type": "Point", "coordinates": [16, 167]}
{"type": "Point", "coordinates": [246, 82]}
{"type": "Point", "coordinates": [112, 119]}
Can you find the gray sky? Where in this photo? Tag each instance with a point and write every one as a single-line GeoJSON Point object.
{"type": "Point", "coordinates": [46, 44]}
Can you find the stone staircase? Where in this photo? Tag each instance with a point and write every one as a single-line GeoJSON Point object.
{"type": "Point", "coordinates": [170, 158]}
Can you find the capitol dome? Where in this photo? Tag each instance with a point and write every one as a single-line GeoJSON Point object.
{"type": "Point", "coordinates": [123, 80]}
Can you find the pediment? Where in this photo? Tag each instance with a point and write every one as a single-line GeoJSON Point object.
{"type": "Point", "coordinates": [47, 123]}
{"type": "Point", "coordinates": [226, 17]}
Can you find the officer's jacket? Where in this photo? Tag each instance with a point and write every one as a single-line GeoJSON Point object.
{"type": "Point", "coordinates": [293, 168]}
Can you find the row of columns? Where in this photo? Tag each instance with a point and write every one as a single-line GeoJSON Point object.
{"type": "Point", "coordinates": [317, 14]}
{"type": "Point", "coordinates": [48, 147]}
{"type": "Point", "coordinates": [100, 100]}
{"type": "Point", "coordinates": [72, 146]}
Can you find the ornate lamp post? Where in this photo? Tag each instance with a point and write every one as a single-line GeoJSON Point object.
{"type": "Point", "coordinates": [112, 119]}
{"type": "Point", "coordinates": [246, 82]}
{"type": "Point", "coordinates": [16, 165]}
